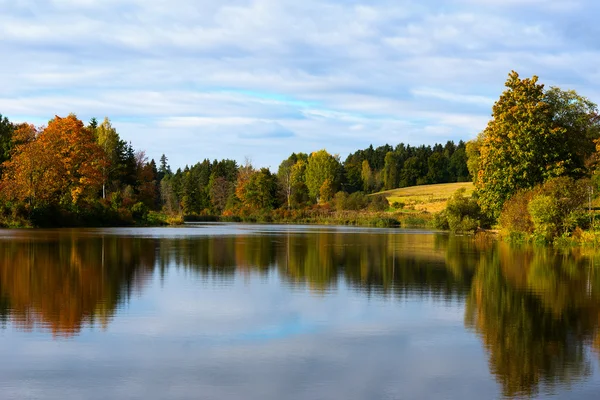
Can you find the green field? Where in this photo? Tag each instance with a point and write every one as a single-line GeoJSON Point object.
{"type": "Point", "coordinates": [430, 198]}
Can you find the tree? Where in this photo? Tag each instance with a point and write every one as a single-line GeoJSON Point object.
{"type": "Point", "coordinates": [164, 169]}
{"type": "Point", "coordinates": [284, 175]}
{"type": "Point", "coordinates": [326, 191]}
{"type": "Point", "coordinates": [59, 166]}
{"type": "Point", "coordinates": [168, 196]}
{"type": "Point", "coordinates": [93, 124]}
{"type": "Point", "coordinates": [533, 136]}
{"type": "Point", "coordinates": [6, 138]}
{"type": "Point", "coordinates": [112, 146]}
{"type": "Point", "coordinates": [148, 184]}
{"type": "Point", "coordinates": [411, 172]}
{"type": "Point", "coordinates": [352, 173]}
{"type": "Point", "coordinates": [243, 178]}
{"type": "Point", "coordinates": [220, 190]}
{"type": "Point", "coordinates": [390, 171]}
{"type": "Point", "coordinates": [458, 169]}
{"type": "Point", "coordinates": [367, 177]}
{"type": "Point", "coordinates": [437, 171]}
{"type": "Point", "coordinates": [321, 166]}
{"type": "Point", "coordinates": [473, 153]}
{"type": "Point", "coordinates": [298, 177]}
{"type": "Point", "coordinates": [261, 190]}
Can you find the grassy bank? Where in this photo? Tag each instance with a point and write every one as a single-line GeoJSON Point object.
{"type": "Point", "coordinates": [429, 198]}
{"type": "Point", "coordinates": [323, 215]}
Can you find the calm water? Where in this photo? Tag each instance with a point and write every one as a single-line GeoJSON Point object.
{"type": "Point", "coordinates": [279, 312]}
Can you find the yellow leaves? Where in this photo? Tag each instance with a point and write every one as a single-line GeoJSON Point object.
{"type": "Point", "coordinates": [60, 163]}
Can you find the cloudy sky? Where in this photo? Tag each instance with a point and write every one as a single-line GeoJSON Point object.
{"type": "Point", "coordinates": [261, 79]}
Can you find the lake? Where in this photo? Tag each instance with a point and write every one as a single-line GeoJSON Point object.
{"type": "Point", "coordinates": [232, 311]}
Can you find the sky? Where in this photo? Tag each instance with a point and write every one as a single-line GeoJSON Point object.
{"type": "Point", "coordinates": [260, 79]}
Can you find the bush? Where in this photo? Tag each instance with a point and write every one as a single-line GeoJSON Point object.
{"type": "Point", "coordinates": [515, 216]}
{"type": "Point", "coordinates": [398, 205]}
{"type": "Point", "coordinates": [378, 203]}
{"type": "Point", "coordinates": [462, 214]}
{"type": "Point", "coordinates": [357, 201]}
{"type": "Point", "coordinates": [139, 211]}
{"type": "Point", "coordinates": [440, 221]}
{"type": "Point", "coordinates": [340, 201]}
{"type": "Point", "coordinates": [549, 210]}
{"type": "Point", "coordinates": [544, 213]}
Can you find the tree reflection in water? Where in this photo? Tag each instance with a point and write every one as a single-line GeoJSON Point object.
{"type": "Point", "coordinates": [535, 309]}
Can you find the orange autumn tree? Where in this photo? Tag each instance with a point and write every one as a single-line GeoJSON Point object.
{"type": "Point", "coordinates": [60, 165]}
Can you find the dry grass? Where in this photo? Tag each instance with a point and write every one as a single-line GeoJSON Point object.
{"type": "Point", "coordinates": [430, 198]}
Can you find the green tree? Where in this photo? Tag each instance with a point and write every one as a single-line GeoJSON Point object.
{"type": "Point", "coordinates": [390, 171]}
{"type": "Point", "coordinates": [220, 191]}
{"type": "Point", "coordinates": [284, 175]}
{"type": "Point", "coordinates": [458, 169]}
{"type": "Point", "coordinates": [6, 138]}
{"type": "Point", "coordinates": [261, 190]}
{"type": "Point", "coordinates": [533, 136]}
{"type": "Point", "coordinates": [411, 172]}
{"type": "Point", "coordinates": [164, 169]}
{"type": "Point", "coordinates": [298, 176]}
{"type": "Point", "coordinates": [113, 147]}
{"type": "Point", "coordinates": [367, 177]}
{"type": "Point", "coordinates": [437, 171]}
{"type": "Point", "coordinates": [321, 167]}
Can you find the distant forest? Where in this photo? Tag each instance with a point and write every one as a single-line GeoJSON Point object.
{"type": "Point", "coordinates": [72, 173]}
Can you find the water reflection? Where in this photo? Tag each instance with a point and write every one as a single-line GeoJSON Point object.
{"type": "Point", "coordinates": [535, 309]}
{"type": "Point", "coordinates": [64, 281]}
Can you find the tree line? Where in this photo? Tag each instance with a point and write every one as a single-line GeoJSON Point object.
{"type": "Point", "coordinates": [71, 173]}
{"type": "Point", "coordinates": [535, 167]}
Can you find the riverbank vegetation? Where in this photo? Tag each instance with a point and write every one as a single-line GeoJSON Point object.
{"type": "Point", "coordinates": [535, 166]}
{"type": "Point", "coordinates": [73, 174]}
{"type": "Point", "coordinates": [533, 173]}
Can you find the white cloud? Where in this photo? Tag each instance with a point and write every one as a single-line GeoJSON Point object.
{"type": "Point", "coordinates": [285, 75]}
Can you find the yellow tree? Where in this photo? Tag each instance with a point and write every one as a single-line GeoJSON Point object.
{"type": "Point", "coordinates": [534, 135]}
{"type": "Point", "coordinates": [61, 165]}
{"type": "Point", "coordinates": [321, 167]}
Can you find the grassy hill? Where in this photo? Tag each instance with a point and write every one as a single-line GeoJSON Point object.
{"type": "Point", "coordinates": [431, 198]}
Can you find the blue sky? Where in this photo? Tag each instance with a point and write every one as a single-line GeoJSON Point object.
{"type": "Point", "coordinates": [264, 78]}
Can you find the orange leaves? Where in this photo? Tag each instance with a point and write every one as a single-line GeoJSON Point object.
{"type": "Point", "coordinates": [59, 165]}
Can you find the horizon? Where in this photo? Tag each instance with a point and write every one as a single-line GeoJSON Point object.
{"type": "Point", "coordinates": [265, 79]}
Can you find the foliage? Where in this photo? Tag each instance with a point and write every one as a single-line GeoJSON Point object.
{"type": "Point", "coordinates": [515, 217]}
{"type": "Point", "coordinates": [533, 135]}
{"type": "Point", "coordinates": [59, 166]}
{"type": "Point", "coordinates": [390, 171]}
{"type": "Point", "coordinates": [378, 203]}
{"type": "Point", "coordinates": [321, 167]}
{"type": "Point", "coordinates": [462, 214]}
{"type": "Point", "coordinates": [6, 138]}
{"type": "Point", "coordinates": [543, 211]}
{"type": "Point", "coordinates": [260, 192]}
{"type": "Point", "coordinates": [548, 210]}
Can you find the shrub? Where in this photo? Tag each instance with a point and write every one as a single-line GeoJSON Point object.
{"type": "Point", "coordinates": [398, 205]}
{"type": "Point", "coordinates": [544, 213]}
{"type": "Point", "coordinates": [515, 216]}
{"type": "Point", "coordinates": [340, 201]}
{"type": "Point", "coordinates": [462, 214]}
{"type": "Point", "coordinates": [357, 201]}
{"type": "Point", "coordinates": [548, 210]}
{"type": "Point", "coordinates": [378, 203]}
{"type": "Point", "coordinates": [440, 221]}
{"type": "Point", "coordinates": [139, 211]}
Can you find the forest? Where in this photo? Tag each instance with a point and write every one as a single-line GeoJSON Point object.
{"type": "Point", "coordinates": [535, 167]}
{"type": "Point", "coordinates": [69, 173]}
